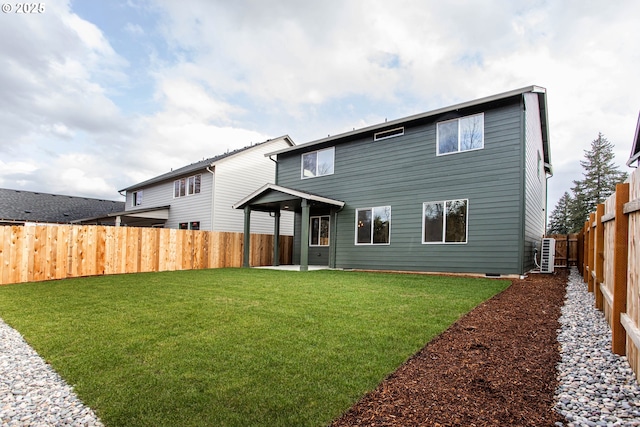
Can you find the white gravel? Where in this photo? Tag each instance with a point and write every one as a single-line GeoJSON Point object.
{"type": "Point", "coordinates": [597, 387]}
{"type": "Point", "coordinates": [31, 392]}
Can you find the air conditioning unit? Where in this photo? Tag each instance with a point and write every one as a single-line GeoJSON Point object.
{"type": "Point", "coordinates": [548, 255]}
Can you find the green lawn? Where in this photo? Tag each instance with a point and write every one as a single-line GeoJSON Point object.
{"type": "Point", "coordinates": [233, 347]}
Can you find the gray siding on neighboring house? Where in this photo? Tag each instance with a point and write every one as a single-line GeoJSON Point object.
{"type": "Point", "coordinates": [238, 176]}
{"type": "Point", "coordinates": [404, 171]}
{"type": "Point", "coordinates": [232, 176]}
{"type": "Point", "coordinates": [195, 207]}
{"type": "Point", "coordinates": [535, 182]}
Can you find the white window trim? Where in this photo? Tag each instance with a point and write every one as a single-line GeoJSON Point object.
{"type": "Point", "coordinates": [355, 234]}
{"type": "Point", "coordinates": [333, 150]}
{"type": "Point", "coordinates": [186, 186]}
{"type": "Point", "coordinates": [320, 228]}
{"type": "Point", "coordinates": [135, 199]}
{"type": "Point", "coordinates": [189, 225]}
{"type": "Point", "coordinates": [458, 151]}
{"type": "Point", "coordinates": [400, 132]}
{"type": "Point", "coordinates": [444, 225]}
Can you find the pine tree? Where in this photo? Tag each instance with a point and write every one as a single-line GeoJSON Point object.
{"type": "Point", "coordinates": [600, 178]}
{"type": "Point", "coordinates": [560, 221]}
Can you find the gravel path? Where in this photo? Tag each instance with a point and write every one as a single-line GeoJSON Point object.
{"type": "Point", "coordinates": [31, 392]}
{"type": "Point", "coordinates": [597, 387]}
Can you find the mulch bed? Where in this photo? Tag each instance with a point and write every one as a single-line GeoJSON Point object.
{"type": "Point", "coordinates": [494, 367]}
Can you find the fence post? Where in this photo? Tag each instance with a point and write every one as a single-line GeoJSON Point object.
{"type": "Point", "coordinates": [620, 262]}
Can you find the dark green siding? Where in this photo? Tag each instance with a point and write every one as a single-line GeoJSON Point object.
{"type": "Point", "coordinates": [404, 172]}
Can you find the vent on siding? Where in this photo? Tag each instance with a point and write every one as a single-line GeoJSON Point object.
{"type": "Point", "coordinates": [388, 134]}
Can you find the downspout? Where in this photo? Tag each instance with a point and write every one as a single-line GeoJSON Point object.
{"type": "Point", "coordinates": [213, 193]}
{"type": "Point", "coordinates": [546, 198]}
{"type": "Point", "coordinates": [276, 227]}
{"type": "Point", "coordinates": [276, 175]}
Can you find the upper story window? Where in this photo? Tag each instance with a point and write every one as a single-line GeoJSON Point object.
{"type": "Point", "coordinates": [318, 163]}
{"type": "Point", "coordinates": [388, 134]}
{"type": "Point", "coordinates": [187, 186]}
{"type": "Point", "coordinates": [373, 226]}
{"type": "Point", "coordinates": [445, 222]}
{"type": "Point", "coordinates": [463, 134]}
{"type": "Point", "coordinates": [136, 199]}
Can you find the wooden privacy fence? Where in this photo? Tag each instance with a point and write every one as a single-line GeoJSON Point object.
{"type": "Point", "coordinates": [566, 254]}
{"type": "Point", "coordinates": [44, 252]}
{"type": "Point", "coordinates": [610, 260]}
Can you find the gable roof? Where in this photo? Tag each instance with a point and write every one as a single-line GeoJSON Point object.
{"type": "Point", "coordinates": [286, 194]}
{"type": "Point", "coordinates": [635, 147]}
{"type": "Point", "coordinates": [343, 137]}
{"type": "Point", "coordinates": [18, 206]}
{"type": "Point", "coordinates": [203, 164]}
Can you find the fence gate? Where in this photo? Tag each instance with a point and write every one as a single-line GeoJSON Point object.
{"type": "Point", "coordinates": [566, 249]}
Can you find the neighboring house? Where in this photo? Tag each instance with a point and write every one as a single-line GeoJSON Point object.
{"type": "Point", "coordinates": [200, 196]}
{"type": "Point", "coordinates": [459, 189]}
{"type": "Point", "coordinates": [19, 207]}
{"type": "Point", "coordinates": [635, 148]}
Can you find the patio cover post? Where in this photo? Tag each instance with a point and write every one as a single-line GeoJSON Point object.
{"type": "Point", "coordinates": [276, 239]}
{"type": "Point", "coordinates": [304, 236]}
{"type": "Point", "coordinates": [247, 237]}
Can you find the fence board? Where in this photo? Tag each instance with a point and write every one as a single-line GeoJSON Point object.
{"type": "Point", "coordinates": [608, 267]}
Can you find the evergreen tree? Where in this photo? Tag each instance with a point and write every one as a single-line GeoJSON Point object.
{"type": "Point", "coordinates": [560, 221]}
{"type": "Point", "coordinates": [599, 181]}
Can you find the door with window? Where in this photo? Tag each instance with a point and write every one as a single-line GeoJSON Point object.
{"type": "Point", "coordinates": [319, 241]}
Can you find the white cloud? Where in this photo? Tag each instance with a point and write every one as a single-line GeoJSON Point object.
{"type": "Point", "coordinates": [134, 29]}
{"type": "Point", "coordinates": [225, 74]}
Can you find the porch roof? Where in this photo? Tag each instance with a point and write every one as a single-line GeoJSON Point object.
{"type": "Point", "coordinates": [272, 197]}
{"type": "Point", "coordinates": [145, 217]}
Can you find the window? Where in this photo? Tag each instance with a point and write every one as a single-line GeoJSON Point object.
{"type": "Point", "coordinates": [136, 200]}
{"type": "Point", "coordinates": [445, 222]}
{"type": "Point", "coordinates": [194, 184]}
{"type": "Point", "coordinates": [319, 231]}
{"type": "Point", "coordinates": [463, 134]}
{"type": "Point", "coordinates": [193, 225]}
{"type": "Point", "coordinates": [373, 226]}
{"type": "Point", "coordinates": [179, 188]}
{"type": "Point", "coordinates": [318, 163]}
{"type": "Point", "coordinates": [187, 186]}
{"type": "Point", "coordinates": [388, 134]}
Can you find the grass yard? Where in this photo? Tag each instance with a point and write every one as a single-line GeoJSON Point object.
{"type": "Point", "coordinates": [234, 347]}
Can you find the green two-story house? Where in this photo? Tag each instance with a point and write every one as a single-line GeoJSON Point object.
{"type": "Point", "coordinates": [460, 189]}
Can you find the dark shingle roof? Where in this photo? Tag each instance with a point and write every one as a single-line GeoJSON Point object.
{"type": "Point", "coordinates": [19, 206]}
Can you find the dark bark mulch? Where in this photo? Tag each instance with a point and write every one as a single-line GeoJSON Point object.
{"type": "Point", "coordinates": [494, 367]}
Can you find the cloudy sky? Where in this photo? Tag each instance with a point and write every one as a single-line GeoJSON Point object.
{"type": "Point", "coordinates": [99, 95]}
